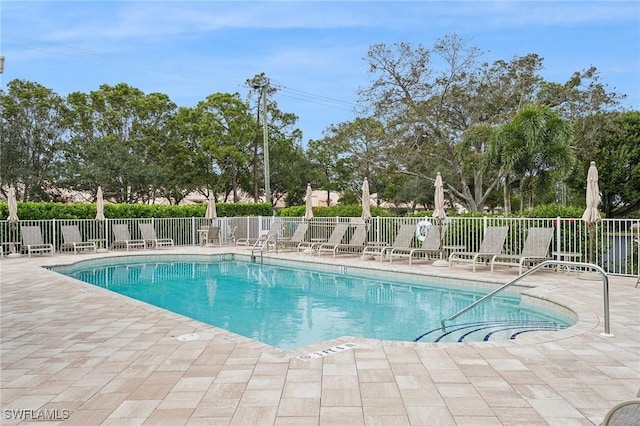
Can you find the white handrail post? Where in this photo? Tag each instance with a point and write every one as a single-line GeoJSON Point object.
{"type": "Point", "coordinates": [53, 235]}
{"type": "Point", "coordinates": [193, 231]}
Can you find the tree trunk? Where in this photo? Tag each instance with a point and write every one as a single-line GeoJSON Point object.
{"type": "Point", "coordinates": [234, 180]}
{"type": "Point", "coordinates": [507, 195]}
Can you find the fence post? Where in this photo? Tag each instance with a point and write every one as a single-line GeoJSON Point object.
{"type": "Point", "coordinates": [377, 228]}
{"type": "Point", "coordinates": [558, 235]}
{"type": "Point", "coordinates": [53, 235]}
{"type": "Point", "coordinates": [193, 231]}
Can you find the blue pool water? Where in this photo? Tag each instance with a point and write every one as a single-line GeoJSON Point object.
{"type": "Point", "coordinates": [289, 306]}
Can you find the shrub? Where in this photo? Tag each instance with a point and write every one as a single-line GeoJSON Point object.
{"type": "Point", "coordinates": [45, 210]}
{"type": "Point", "coordinates": [554, 210]}
{"type": "Point", "coordinates": [352, 210]}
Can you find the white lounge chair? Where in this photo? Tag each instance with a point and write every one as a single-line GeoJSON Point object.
{"type": "Point", "coordinates": [151, 239]}
{"type": "Point", "coordinates": [270, 236]}
{"type": "Point", "coordinates": [122, 237]}
{"type": "Point", "coordinates": [535, 250]}
{"type": "Point", "coordinates": [335, 238]}
{"type": "Point", "coordinates": [212, 237]}
{"type": "Point", "coordinates": [297, 237]}
{"type": "Point", "coordinates": [491, 244]}
{"type": "Point", "coordinates": [73, 239]}
{"type": "Point", "coordinates": [403, 240]}
{"type": "Point", "coordinates": [355, 245]}
{"type": "Point", "coordinates": [431, 245]}
{"type": "Point", "coordinates": [33, 242]}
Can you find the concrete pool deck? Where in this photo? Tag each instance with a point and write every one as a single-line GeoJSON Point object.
{"type": "Point", "coordinates": [85, 356]}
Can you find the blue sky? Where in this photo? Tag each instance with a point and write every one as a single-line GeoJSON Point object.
{"type": "Point", "coordinates": [314, 51]}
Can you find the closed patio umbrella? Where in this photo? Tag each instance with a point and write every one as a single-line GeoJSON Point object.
{"type": "Point", "coordinates": [211, 233]}
{"type": "Point", "coordinates": [366, 201]}
{"type": "Point", "coordinates": [439, 214]}
{"type": "Point", "coordinates": [13, 206]}
{"type": "Point", "coordinates": [591, 215]}
{"type": "Point", "coordinates": [211, 213]}
{"type": "Point", "coordinates": [100, 218]}
{"type": "Point", "coordinates": [308, 212]}
{"type": "Point", "coordinates": [99, 205]}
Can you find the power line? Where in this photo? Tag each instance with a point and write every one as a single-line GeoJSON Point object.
{"type": "Point", "coordinates": [312, 95]}
{"type": "Point", "coordinates": [310, 100]}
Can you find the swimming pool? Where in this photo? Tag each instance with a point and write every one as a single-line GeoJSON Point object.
{"type": "Point", "coordinates": [290, 305]}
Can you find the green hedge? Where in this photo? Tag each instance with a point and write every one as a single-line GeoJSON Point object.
{"type": "Point", "coordinates": [44, 211]}
{"type": "Point", "coordinates": [554, 210]}
{"type": "Point", "coordinates": [333, 211]}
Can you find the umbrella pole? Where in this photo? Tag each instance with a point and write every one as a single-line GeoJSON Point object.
{"type": "Point", "coordinates": [13, 240]}
{"type": "Point", "coordinates": [589, 275]}
{"type": "Point", "coordinates": [440, 262]}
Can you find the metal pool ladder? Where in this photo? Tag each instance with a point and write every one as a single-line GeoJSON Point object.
{"type": "Point", "coordinates": [263, 243]}
{"type": "Point", "coordinates": [605, 290]}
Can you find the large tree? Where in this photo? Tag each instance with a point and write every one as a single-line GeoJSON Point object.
{"type": "Point", "coordinates": [32, 130]}
{"type": "Point", "coordinates": [332, 163]}
{"type": "Point", "coordinates": [533, 147]}
{"type": "Point", "coordinates": [365, 143]}
{"type": "Point", "coordinates": [225, 133]}
{"type": "Point", "coordinates": [614, 144]}
{"type": "Point", "coordinates": [429, 98]}
{"type": "Point", "coordinates": [115, 140]}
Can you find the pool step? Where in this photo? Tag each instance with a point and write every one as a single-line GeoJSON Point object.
{"type": "Point", "coordinates": [487, 331]}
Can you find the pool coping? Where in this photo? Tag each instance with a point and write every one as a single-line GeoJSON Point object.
{"type": "Point", "coordinates": [585, 321]}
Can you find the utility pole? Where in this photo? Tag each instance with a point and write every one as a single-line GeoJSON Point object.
{"type": "Point", "coordinates": [263, 85]}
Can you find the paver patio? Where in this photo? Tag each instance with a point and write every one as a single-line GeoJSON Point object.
{"type": "Point", "coordinates": [91, 357]}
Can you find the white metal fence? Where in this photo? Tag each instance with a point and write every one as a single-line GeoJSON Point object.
{"type": "Point", "coordinates": [611, 244]}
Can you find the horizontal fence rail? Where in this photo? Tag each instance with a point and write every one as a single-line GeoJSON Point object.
{"type": "Point", "coordinates": [611, 244]}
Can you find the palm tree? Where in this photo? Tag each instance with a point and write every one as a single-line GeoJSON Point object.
{"type": "Point", "coordinates": [530, 148]}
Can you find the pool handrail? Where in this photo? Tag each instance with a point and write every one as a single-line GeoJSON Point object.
{"type": "Point", "coordinates": [605, 290]}
{"type": "Point", "coordinates": [263, 242]}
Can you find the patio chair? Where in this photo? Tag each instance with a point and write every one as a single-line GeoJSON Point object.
{"type": "Point", "coordinates": [151, 238]}
{"type": "Point", "coordinates": [73, 239]}
{"type": "Point", "coordinates": [33, 242]}
{"type": "Point", "coordinates": [430, 246]}
{"type": "Point", "coordinates": [356, 243]}
{"type": "Point", "coordinates": [491, 245]}
{"type": "Point", "coordinates": [402, 240]}
{"type": "Point", "coordinates": [268, 239]}
{"type": "Point", "coordinates": [122, 237]}
{"type": "Point", "coordinates": [212, 236]}
{"type": "Point", "coordinates": [535, 250]}
{"type": "Point", "coordinates": [297, 237]}
{"type": "Point", "coordinates": [624, 413]}
{"type": "Point", "coordinates": [231, 235]}
{"type": "Point", "coordinates": [335, 238]}
{"type": "Point", "coordinates": [269, 235]}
